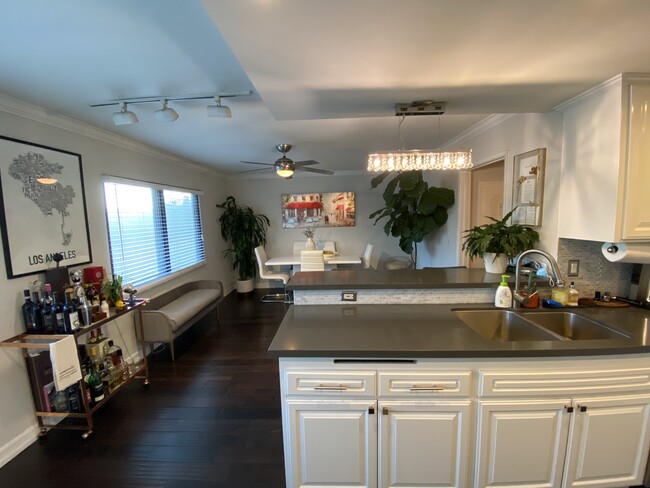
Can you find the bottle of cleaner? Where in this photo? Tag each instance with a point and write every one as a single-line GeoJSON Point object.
{"type": "Point", "coordinates": [573, 296]}
{"type": "Point", "coordinates": [503, 297]}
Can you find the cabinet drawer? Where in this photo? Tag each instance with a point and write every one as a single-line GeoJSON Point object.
{"type": "Point", "coordinates": [540, 383]}
{"type": "Point", "coordinates": [443, 383]}
{"type": "Point", "coordinates": [339, 383]}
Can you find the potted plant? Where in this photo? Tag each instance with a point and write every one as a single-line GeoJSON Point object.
{"type": "Point", "coordinates": [244, 230]}
{"type": "Point", "coordinates": [413, 209]}
{"type": "Point", "coordinates": [496, 243]}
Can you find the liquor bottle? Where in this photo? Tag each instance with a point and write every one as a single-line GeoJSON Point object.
{"type": "Point", "coordinates": [28, 314]}
{"type": "Point", "coordinates": [70, 316]}
{"type": "Point", "coordinates": [95, 385]}
{"type": "Point", "coordinates": [57, 313]}
{"type": "Point", "coordinates": [114, 352]}
{"type": "Point", "coordinates": [74, 399]}
{"type": "Point", "coordinates": [46, 311]}
{"type": "Point", "coordinates": [36, 312]}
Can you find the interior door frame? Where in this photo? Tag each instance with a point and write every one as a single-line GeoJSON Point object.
{"type": "Point", "coordinates": [465, 196]}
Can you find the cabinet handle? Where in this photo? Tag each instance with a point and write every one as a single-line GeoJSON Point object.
{"type": "Point", "coordinates": [582, 408]}
{"type": "Point", "coordinates": [426, 388]}
{"type": "Point", "coordinates": [371, 410]}
{"type": "Point", "coordinates": [568, 409]}
{"type": "Point", "coordinates": [331, 387]}
{"type": "Point", "coordinates": [384, 411]}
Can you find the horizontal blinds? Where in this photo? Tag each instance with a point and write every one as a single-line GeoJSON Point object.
{"type": "Point", "coordinates": [153, 232]}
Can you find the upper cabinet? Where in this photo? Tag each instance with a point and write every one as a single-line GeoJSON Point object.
{"type": "Point", "coordinates": [605, 182]}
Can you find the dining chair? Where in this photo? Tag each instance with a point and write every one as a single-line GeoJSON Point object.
{"type": "Point", "coordinates": [312, 261]}
{"type": "Point", "coordinates": [268, 274]}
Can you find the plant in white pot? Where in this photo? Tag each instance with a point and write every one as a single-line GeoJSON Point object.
{"type": "Point", "coordinates": [496, 243]}
{"type": "Point", "coordinates": [244, 230]}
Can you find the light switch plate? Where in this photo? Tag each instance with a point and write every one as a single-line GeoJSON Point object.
{"type": "Point", "coordinates": [574, 267]}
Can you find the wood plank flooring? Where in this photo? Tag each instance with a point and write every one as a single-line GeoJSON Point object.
{"type": "Point", "coordinates": [211, 419]}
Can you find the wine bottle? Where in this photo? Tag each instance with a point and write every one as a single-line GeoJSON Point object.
{"type": "Point", "coordinates": [28, 314]}
{"type": "Point", "coordinates": [47, 318]}
{"type": "Point", "coordinates": [36, 312]}
{"type": "Point", "coordinates": [70, 316]}
{"type": "Point", "coordinates": [57, 313]}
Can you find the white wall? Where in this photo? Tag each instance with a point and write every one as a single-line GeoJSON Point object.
{"type": "Point", "coordinates": [18, 427]}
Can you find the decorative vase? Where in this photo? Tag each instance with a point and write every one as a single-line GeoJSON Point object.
{"type": "Point", "coordinates": [495, 263]}
{"type": "Point", "coordinates": [310, 245]}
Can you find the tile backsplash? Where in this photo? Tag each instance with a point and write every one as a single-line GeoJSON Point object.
{"type": "Point", "coordinates": [596, 273]}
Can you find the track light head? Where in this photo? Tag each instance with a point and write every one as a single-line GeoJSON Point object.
{"type": "Point", "coordinates": [166, 114]}
{"type": "Point", "coordinates": [218, 110]}
{"type": "Point", "coordinates": [124, 116]}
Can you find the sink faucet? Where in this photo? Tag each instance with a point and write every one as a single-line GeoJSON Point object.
{"type": "Point", "coordinates": [555, 280]}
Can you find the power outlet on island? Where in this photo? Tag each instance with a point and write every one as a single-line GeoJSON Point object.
{"type": "Point", "coordinates": [348, 296]}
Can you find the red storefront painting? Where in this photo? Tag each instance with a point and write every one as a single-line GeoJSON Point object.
{"type": "Point", "coordinates": [318, 210]}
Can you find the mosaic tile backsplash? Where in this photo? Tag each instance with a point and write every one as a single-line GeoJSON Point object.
{"type": "Point", "coordinates": [596, 273]}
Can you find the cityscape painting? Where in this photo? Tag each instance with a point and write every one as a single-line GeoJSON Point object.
{"type": "Point", "coordinates": [301, 210]}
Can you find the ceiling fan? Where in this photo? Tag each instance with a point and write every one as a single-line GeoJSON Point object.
{"type": "Point", "coordinates": [285, 167]}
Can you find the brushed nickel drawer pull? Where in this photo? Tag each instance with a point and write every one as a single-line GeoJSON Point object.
{"type": "Point", "coordinates": [426, 388]}
{"type": "Point", "coordinates": [331, 387]}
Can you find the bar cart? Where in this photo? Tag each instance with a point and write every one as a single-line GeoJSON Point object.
{"type": "Point", "coordinates": [140, 370]}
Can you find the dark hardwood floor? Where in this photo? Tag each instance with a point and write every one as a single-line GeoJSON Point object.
{"type": "Point", "coordinates": [211, 419]}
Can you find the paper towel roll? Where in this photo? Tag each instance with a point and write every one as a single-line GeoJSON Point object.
{"type": "Point", "coordinates": [618, 252]}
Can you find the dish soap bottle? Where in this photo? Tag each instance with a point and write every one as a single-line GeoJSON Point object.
{"type": "Point", "coordinates": [573, 295]}
{"type": "Point", "coordinates": [503, 297]}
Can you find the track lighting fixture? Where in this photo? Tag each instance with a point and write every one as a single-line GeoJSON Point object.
{"type": "Point", "coordinates": [124, 116]}
{"type": "Point", "coordinates": [167, 114]}
{"type": "Point", "coordinates": [219, 110]}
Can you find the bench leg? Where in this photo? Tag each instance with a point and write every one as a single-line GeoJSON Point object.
{"type": "Point", "coordinates": [171, 350]}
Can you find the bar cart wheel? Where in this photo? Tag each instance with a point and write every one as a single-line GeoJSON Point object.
{"type": "Point", "coordinates": [145, 382]}
{"type": "Point", "coordinates": [43, 432]}
{"type": "Point", "coordinates": [86, 434]}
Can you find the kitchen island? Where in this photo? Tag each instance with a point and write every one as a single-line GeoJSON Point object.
{"type": "Point", "coordinates": [411, 395]}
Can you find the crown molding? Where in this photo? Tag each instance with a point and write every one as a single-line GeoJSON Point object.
{"type": "Point", "coordinates": [614, 82]}
{"type": "Point", "coordinates": [38, 114]}
{"type": "Point", "coordinates": [477, 129]}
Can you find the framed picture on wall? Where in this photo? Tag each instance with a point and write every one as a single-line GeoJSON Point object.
{"type": "Point", "coordinates": [336, 209]}
{"type": "Point", "coordinates": [42, 207]}
{"type": "Point", "coordinates": [528, 187]}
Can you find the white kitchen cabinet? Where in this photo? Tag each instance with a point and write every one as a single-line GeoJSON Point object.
{"type": "Point", "coordinates": [521, 443]}
{"type": "Point", "coordinates": [423, 443]}
{"type": "Point", "coordinates": [333, 443]}
{"type": "Point", "coordinates": [608, 445]}
{"type": "Point", "coordinates": [605, 169]}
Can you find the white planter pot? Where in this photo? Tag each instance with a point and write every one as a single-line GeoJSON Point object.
{"type": "Point", "coordinates": [245, 286]}
{"type": "Point", "coordinates": [495, 263]}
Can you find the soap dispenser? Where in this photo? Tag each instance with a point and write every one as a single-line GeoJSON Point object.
{"type": "Point", "coordinates": [503, 297]}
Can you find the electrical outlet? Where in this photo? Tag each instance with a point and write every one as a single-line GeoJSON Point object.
{"type": "Point", "coordinates": [349, 296]}
{"type": "Point", "coordinates": [574, 267]}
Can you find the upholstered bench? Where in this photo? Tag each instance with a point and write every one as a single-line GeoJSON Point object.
{"type": "Point", "coordinates": [168, 315]}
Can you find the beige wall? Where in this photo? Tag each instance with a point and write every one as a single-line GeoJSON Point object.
{"type": "Point", "coordinates": [17, 427]}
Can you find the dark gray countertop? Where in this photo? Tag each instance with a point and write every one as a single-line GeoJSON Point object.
{"type": "Point", "coordinates": [398, 279]}
{"type": "Point", "coordinates": [434, 331]}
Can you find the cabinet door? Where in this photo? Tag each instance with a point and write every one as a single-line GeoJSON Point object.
{"type": "Point", "coordinates": [634, 188]}
{"type": "Point", "coordinates": [423, 444]}
{"type": "Point", "coordinates": [608, 444]}
{"type": "Point", "coordinates": [521, 443]}
{"type": "Point", "coordinates": [333, 443]}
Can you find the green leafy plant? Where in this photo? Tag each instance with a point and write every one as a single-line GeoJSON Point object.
{"type": "Point", "coordinates": [500, 238]}
{"type": "Point", "coordinates": [244, 230]}
{"type": "Point", "coordinates": [112, 289]}
{"type": "Point", "coordinates": [309, 232]}
{"type": "Point", "coordinates": [413, 209]}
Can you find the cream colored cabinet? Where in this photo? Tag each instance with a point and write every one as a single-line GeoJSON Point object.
{"type": "Point", "coordinates": [606, 163]}
{"type": "Point", "coordinates": [424, 443]}
{"type": "Point", "coordinates": [521, 443]}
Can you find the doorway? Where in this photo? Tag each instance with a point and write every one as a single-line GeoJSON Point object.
{"type": "Point", "coordinates": [486, 197]}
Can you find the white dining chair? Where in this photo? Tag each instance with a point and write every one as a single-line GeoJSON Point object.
{"type": "Point", "coordinates": [367, 256]}
{"type": "Point", "coordinates": [268, 274]}
{"type": "Point", "coordinates": [312, 261]}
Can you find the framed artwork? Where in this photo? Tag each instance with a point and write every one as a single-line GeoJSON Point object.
{"type": "Point", "coordinates": [528, 187]}
{"type": "Point", "coordinates": [42, 208]}
{"type": "Point", "coordinates": [301, 210]}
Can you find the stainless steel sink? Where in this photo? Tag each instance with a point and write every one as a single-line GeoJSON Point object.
{"type": "Point", "coordinates": [503, 325]}
{"type": "Point", "coordinates": [572, 326]}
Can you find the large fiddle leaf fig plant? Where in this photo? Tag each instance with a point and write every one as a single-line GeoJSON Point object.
{"type": "Point", "coordinates": [413, 209]}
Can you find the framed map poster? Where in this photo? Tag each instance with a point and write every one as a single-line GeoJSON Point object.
{"type": "Point", "coordinates": [42, 208]}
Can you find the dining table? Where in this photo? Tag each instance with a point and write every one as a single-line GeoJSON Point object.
{"type": "Point", "coordinates": [330, 260]}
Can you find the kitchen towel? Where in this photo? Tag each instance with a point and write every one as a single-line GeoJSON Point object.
{"type": "Point", "coordinates": [65, 363]}
{"type": "Point", "coordinates": [618, 252]}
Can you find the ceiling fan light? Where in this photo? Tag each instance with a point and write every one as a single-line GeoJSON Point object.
{"type": "Point", "coordinates": [166, 114]}
{"type": "Point", "coordinates": [283, 168]}
{"type": "Point", "coordinates": [218, 110]}
{"type": "Point", "coordinates": [124, 116]}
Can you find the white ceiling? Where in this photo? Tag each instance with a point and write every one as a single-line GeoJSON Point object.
{"type": "Point", "coordinates": [325, 75]}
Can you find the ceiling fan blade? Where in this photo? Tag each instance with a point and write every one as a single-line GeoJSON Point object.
{"type": "Point", "coordinates": [252, 162]}
{"type": "Point", "coordinates": [314, 170]}
{"type": "Point", "coordinates": [309, 162]}
{"type": "Point", "coordinates": [252, 170]}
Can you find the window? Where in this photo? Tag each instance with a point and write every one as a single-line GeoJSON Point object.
{"type": "Point", "coordinates": [153, 231]}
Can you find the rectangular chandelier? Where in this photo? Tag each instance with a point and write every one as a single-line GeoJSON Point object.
{"type": "Point", "coordinates": [420, 160]}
